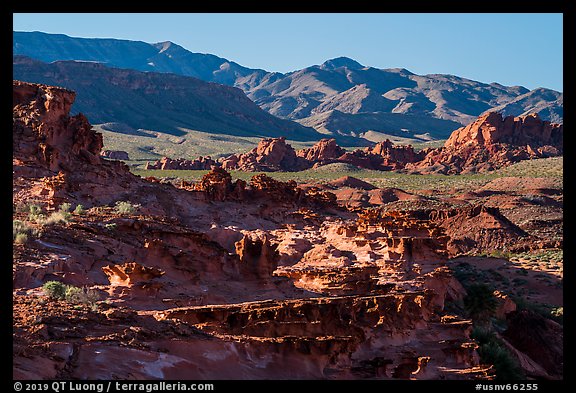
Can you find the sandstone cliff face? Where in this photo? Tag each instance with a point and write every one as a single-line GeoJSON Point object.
{"type": "Point", "coordinates": [538, 339]}
{"type": "Point", "coordinates": [490, 129]}
{"type": "Point", "coordinates": [45, 135]}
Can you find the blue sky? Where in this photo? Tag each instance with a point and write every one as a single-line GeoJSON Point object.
{"type": "Point", "coordinates": [512, 49]}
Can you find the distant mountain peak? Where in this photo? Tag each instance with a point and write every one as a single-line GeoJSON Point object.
{"type": "Point", "coordinates": [163, 46]}
{"type": "Point", "coordinates": [342, 61]}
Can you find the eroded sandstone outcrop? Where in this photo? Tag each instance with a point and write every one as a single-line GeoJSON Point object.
{"type": "Point", "coordinates": [492, 142]}
{"type": "Point", "coordinates": [219, 279]}
{"type": "Point", "coordinates": [271, 154]}
{"type": "Point", "coordinates": [488, 143]}
{"type": "Point", "coordinates": [538, 338]}
{"type": "Point", "coordinates": [478, 227]}
{"type": "Point", "coordinates": [115, 154]}
{"type": "Point", "coordinates": [323, 152]}
{"type": "Point", "coordinates": [45, 135]}
{"type": "Point", "coordinates": [166, 163]}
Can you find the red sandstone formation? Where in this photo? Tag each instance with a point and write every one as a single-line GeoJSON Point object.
{"type": "Point", "coordinates": [217, 186]}
{"type": "Point", "coordinates": [383, 156]}
{"type": "Point", "coordinates": [130, 273]}
{"type": "Point", "coordinates": [324, 151]}
{"type": "Point", "coordinates": [165, 163]}
{"type": "Point", "coordinates": [539, 339]}
{"type": "Point", "coordinates": [355, 198]}
{"type": "Point", "coordinates": [393, 157]}
{"type": "Point", "coordinates": [228, 280]}
{"type": "Point", "coordinates": [490, 129]}
{"type": "Point", "coordinates": [115, 154]}
{"type": "Point", "coordinates": [44, 135]}
{"type": "Point", "coordinates": [477, 228]}
{"type": "Point", "coordinates": [488, 143]}
{"type": "Point", "coordinates": [492, 142]}
{"type": "Point", "coordinates": [271, 154]}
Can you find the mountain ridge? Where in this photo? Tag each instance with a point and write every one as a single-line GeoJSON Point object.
{"type": "Point", "coordinates": [338, 85]}
{"type": "Point", "coordinates": [160, 102]}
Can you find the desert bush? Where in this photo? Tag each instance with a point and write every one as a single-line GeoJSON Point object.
{"type": "Point", "coordinates": [56, 218]}
{"type": "Point", "coordinates": [492, 351]}
{"type": "Point", "coordinates": [519, 281]}
{"type": "Point", "coordinates": [55, 289]}
{"type": "Point", "coordinates": [65, 207]}
{"type": "Point", "coordinates": [73, 294]}
{"type": "Point", "coordinates": [110, 226]}
{"type": "Point", "coordinates": [18, 227]}
{"type": "Point", "coordinates": [81, 295]}
{"type": "Point", "coordinates": [64, 211]}
{"type": "Point", "coordinates": [70, 293]}
{"type": "Point", "coordinates": [21, 238]}
{"type": "Point", "coordinates": [35, 213]}
{"type": "Point", "coordinates": [480, 303]}
{"type": "Point", "coordinates": [21, 231]}
{"type": "Point", "coordinates": [79, 210]}
{"type": "Point", "coordinates": [505, 365]}
{"type": "Point", "coordinates": [545, 310]}
{"type": "Point", "coordinates": [522, 271]}
{"type": "Point", "coordinates": [125, 207]}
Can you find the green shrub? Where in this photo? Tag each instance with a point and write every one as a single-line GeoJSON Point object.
{"type": "Point", "coordinates": [73, 294]}
{"type": "Point", "coordinates": [35, 213]}
{"type": "Point", "coordinates": [78, 295]}
{"type": "Point", "coordinates": [21, 238]}
{"type": "Point", "coordinates": [34, 209]}
{"type": "Point", "coordinates": [18, 227]}
{"type": "Point", "coordinates": [522, 271]}
{"type": "Point", "coordinates": [61, 215]}
{"type": "Point", "coordinates": [79, 210]}
{"type": "Point", "coordinates": [64, 212]}
{"type": "Point", "coordinates": [55, 289]}
{"type": "Point", "coordinates": [125, 207]}
{"type": "Point", "coordinates": [480, 302]}
{"type": "Point", "coordinates": [57, 217]}
{"type": "Point", "coordinates": [492, 351]}
{"type": "Point", "coordinates": [519, 281]}
{"type": "Point", "coordinates": [65, 207]}
{"type": "Point", "coordinates": [483, 335]}
{"type": "Point", "coordinates": [70, 293]}
{"type": "Point", "coordinates": [111, 226]}
{"type": "Point", "coordinates": [505, 366]}
{"type": "Point", "coordinates": [558, 314]}
{"type": "Point", "coordinates": [21, 231]}
{"type": "Point", "coordinates": [543, 309]}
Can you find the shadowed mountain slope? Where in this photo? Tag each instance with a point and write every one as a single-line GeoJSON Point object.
{"type": "Point", "coordinates": [161, 102]}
